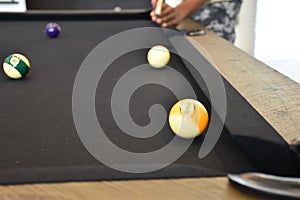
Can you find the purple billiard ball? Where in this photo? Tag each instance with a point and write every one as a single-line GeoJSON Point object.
{"type": "Point", "coordinates": [52, 30]}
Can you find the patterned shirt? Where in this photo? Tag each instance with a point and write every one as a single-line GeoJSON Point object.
{"type": "Point", "coordinates": [219, 16]}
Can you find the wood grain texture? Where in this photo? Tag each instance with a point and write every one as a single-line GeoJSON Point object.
{"type": "Point", "coordinates": [204, 188]}
{"type": "Point", "coordinates": [274, 96]}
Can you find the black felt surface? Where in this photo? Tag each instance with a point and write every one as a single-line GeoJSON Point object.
{"type": "Point", "coordinates": [38, 138]}
{"type": "Point", "coordinates": [86, 4]}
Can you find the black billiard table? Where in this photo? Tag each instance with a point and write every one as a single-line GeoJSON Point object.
{"type": "Point", "coordinates": [47, 125]}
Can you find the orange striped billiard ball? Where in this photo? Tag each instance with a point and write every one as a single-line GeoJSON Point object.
{"type": "Point", "coordinates": [188, 118]}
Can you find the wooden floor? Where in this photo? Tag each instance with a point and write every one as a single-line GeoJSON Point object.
{"type": "Point", "coordinates": [275, 97]}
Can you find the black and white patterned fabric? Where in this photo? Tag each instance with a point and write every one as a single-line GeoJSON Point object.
{"type": "Point", "coordinates": [219, 17]}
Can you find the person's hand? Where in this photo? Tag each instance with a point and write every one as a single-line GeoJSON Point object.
{"type": "Point", "coordinates": [153, 2]}
{"type": "Point", "coordinates": [169, 16]}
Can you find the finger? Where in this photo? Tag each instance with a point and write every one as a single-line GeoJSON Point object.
{"type": "Point", "coordinates": [167, 10]}
{"type": "Point", "coordinates": [152, 13]}
{"type": "Point", "coordinates": [153, 3]}
{"type": "Point", "coordinates": [167, 15]}
{"type": "Point", "coordinates": [158, 19]}
{"type": "Point", "coordinates": [154, 18]}
{"type": "Point", "coordinates": [170, 23]}
{"type": "Point", "coordinates": [168, 18]}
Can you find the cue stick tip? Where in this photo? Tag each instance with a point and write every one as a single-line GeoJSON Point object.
{"type": "Point", "coordinates": [158, 7]}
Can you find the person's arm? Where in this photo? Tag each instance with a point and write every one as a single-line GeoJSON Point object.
{"type": "Point", "coordinates": [173, 16]}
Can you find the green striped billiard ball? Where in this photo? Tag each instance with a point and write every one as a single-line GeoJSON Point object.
{"type": "Point", "coordinates": [16, 66]}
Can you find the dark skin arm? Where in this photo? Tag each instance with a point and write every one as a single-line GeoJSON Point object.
{"type": "Point", "coordinates": [173, 16]}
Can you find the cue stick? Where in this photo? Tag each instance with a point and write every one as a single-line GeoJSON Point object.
{"type": "Point", "coordinates": [158, 7]}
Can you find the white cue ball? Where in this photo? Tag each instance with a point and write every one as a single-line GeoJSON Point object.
{"type": "Point", "coordinates": [117, 9]}
{"type": "Point", "coordinates": [158, 56]}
